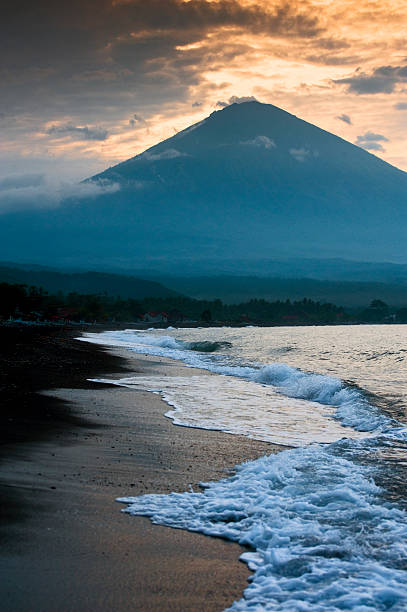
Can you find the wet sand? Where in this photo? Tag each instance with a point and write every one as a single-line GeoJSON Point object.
{"type": "Point", "coordinates": [65, 543]}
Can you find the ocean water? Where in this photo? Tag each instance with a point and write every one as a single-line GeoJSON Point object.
{"type": "Point", "coordinates": [325, 520]}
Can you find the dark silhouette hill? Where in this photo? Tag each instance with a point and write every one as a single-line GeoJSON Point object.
{"type": "Point", "coordinates": [250, 182]}
{"type": "Point", "coordinates": [91, 283]}
{"type": "Point", "coordinates": [238, 289]}
{"type": "Point", "coordinates": [230, 289]}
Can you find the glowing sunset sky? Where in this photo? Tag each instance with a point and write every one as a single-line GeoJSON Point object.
{"type": "Point", "coordinates": [86, 84]}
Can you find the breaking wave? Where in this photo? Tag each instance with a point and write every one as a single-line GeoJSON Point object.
{"type": "Point", "coordinates": [353, 408]}
{"type": "Point", "coordinates": [133, 339]}
{"type": "Point", "coordinates": [207, 347]}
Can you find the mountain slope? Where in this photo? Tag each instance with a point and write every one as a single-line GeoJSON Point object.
{"type": "Point", "coordinates": [87, 283]}
{"type": "Point", "coordinates": [249, 182]}
{"type": "Point", "coordinates": [235, 290]}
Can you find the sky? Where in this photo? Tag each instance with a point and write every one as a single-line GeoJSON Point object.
{"type": "Point", "coordinates": [86, 84]}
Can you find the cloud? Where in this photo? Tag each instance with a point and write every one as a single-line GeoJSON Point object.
{"type": "Point", "coordinates": [35, 191]}
{"type": "Point", "coordinates": [371, 141]}
{"type": "Point", "coordinates": [300, 154]}
{"type": "Point", "coordinates": [330, 59]}
{"type": "Point", "coordinates": [260, 141]}
{"type": "Point", "coordinates": [371, 146]}
{"type": "Point", "coordinates": [241, 99]}
{"type": "Point", "coordinates": [105, 50]}
{"type": "Point", "coordinates": [283, 17]}
{"type": "Point", "coordinates": [137, 120]}
{"type": "Point", "coordinates": [21, 181]}
{"type": "Point", "coordinates": [78, 133]}
{"type": "Point", "coordinates": [345, 118]}
{"type": "Point", "coordinates": [167, 154]}
{"type": "Point", "coordinates": [401, 106]}
{"type": "Point", "coordinates": [235, 100]}
{"type": "Point", "coordinates": [381, 80]}
{"type": "Point", "coordinates": [161, 58]}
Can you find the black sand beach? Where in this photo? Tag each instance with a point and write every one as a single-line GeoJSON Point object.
{"type": "Point", "coordinates": [69, 448]}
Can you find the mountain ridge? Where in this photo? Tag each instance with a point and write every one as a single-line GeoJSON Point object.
{"type": "Point", "coordinates": [90, 282]}
{"type": "Point", "coordinates": [230, 289]}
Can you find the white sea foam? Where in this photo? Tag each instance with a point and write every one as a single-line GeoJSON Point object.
{"type": "Point", "coordinates": [323, 538]}
{"type": "Point", "coordinates": [352, 408]}
{"type": "Point", "coordinates": [243, 407]}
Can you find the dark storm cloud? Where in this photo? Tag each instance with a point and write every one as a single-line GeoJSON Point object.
{"type": "Point", "coordinates": [201, 16]}
{"type": "Point", "coordinates": [44, 31]}
{"type": "Point", "coordinates": [80, 55]}
{"type": "Point", "coordinates": [345, 118]}
{"type": "Point", "coordinates": [381, 80]}
{"type": "Point", "coordinates": [371, 141]}
{"type": "Point", "coordinates": [78, 133]}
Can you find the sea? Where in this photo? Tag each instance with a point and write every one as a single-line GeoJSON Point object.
{"type": "Point", "coordinates": [324, 521]}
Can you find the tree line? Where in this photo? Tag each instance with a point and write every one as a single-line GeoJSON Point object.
{"type": "Point", "coordinates": [33, 303]}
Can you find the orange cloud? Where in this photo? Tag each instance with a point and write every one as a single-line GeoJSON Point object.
{"type": "Point", "coordinates": [101, 63]}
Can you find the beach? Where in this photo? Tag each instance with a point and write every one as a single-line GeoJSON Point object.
{"type": "Point", "coordinates": [70, 448]}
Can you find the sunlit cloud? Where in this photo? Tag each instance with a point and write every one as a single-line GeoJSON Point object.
{"type": "Point", "coordinates": [132, 73]}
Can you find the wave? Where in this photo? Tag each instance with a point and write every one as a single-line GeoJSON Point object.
{"type": "Point", "coordinates": [353, 409]}
{"type": "Point", "coordinates": [207, 347]}
{"type": "Point", "coordinates": [132, 338]}
{"type": "Point", "coordinates": [323, 538]}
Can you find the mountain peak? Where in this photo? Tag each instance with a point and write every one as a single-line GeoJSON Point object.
{"type": "Point", "coordinates": [250, 131]}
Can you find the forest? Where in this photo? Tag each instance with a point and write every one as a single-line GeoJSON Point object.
{"type": "Point", "coordinates": [30, 303]}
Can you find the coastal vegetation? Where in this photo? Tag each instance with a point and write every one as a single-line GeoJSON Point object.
{"type": "Point", "coordinates": [30, 303]}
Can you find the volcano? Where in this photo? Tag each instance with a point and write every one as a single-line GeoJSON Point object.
{"type": "Point", "coordinates": [249, 183]}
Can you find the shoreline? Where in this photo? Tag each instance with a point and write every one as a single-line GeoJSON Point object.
{"type": "Point", "coordinates": [66, 544]}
